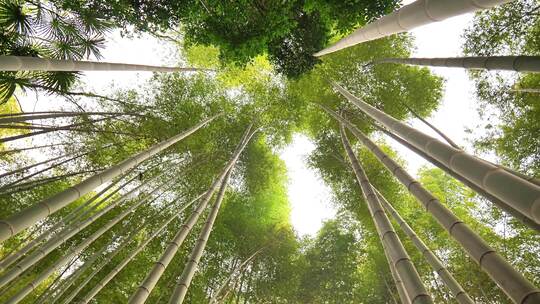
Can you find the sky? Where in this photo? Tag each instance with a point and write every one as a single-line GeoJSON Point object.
{"type": "Point", "coordinates": [310, 198]}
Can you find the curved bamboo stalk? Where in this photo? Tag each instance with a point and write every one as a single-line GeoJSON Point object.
{"type": "Point", "coordinates": [458, 292]}
{"type": "Point", "coordinates": [523, 219]}
{"type": "Point", "coordinates": [513, 283]}
{"type": "Point", "coordinates": [144, 290]}
{"type": "Point", "coordinates": [130, 257]}
{"type": "Point", "coordinates": [63, 222]}
{"type": "Point", "coordinates": [50, 129]}
{"type": "Point", "coordinates": [404, 267]}
{"type": "Point", "coordinates": [516, 192]}
{"type": "Point", "coordinates": [77, 156]}
{"type": "Point", "coordinates": [26, 117]}
{"type": "Point", "coordinates": [77, 249]}
{"type": "Point", "coordinates": [63, 236]}
{"type": "Point", "coordinates": [508, 63]}
{"type": "Point", "coordinates": [26, 218]}
{"type": "Point", "coordinates": [26, 63]}
{"type": "Point", "coordinates": [418, 13]}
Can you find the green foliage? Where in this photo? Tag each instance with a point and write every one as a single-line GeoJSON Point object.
{"type": "Point", "coordinates": [41, 29]}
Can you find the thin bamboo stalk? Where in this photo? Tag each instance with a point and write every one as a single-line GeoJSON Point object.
{"type": "Point", "coordinates": [34, 148]}
{"type": "Point", "coordinates": [27, 217]}
{"type": "Point", "coordinates": [63, 222]}
{"type": "Point", "coordinates": [63, 236]}
{"type": "Point", "coordinates": [404, 267]}
{"type": "Point", "coordinates": [132, 255]}
{"type": "Point", "coordinates": [27, 63]}
{"type": "Point", "coordinates": [457, 291]}
{"type": "Point", "coordinates": [79, 248]}
{"type": "Point", "coordinates": [418, 13]}
{"type": "Point", "coordinates": [508, 63]}
{"type": "Point", "coordinates": [26, 117]}
{"type": "Point", "coordinates": [516, 192]}
{"type": "Point", "coordinates": [144, 290]}
{"type": "Point", "coordinates": [523, 219]}
{"type": "Point", "coordinates": [513, 283]}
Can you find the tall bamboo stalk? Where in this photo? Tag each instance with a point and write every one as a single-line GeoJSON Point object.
{"type": "Point", "coordinates": [404, 267]}
{"type": "Point", "coordinates": [74, 215]}
{"type": "Point", "coordinates": [508, 63]}
{"type": "Point", "coordinates": [130, 257]}
{"type": "Point", "coordinates": [523, 219]}
{"type": "Point", "coordinates": [408, 17]}
{"type": "Point", "coordinates": [34, 148]}
{"type": "Point", "coordinates": [457, 291]}
{"type": "Point", "coordinates": [63, 236]}
{"type": "Point", "coordinates": [27, 217]}
{"type": "Point", "coordinates": [144, 290]}
{"type": "Point", "coordinates": [513, 283]}
{"type": "Point", "coordinates": [77, 249]}
{"type": "Point", "coordinates": [27, 63]}
{"type": "Point", "coordinates": [402, 293]}
{"type": "Point", "coordinates": [516, 192]}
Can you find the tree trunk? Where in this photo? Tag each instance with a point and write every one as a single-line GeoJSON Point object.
{"type": "Point", "coordinates": [457, 291]}
{"type": "Point", "coordinates": [409, 17]}
{"type": "Point", "coordinates": [26, 63]}
{"type": "Point", "coordinates": [134, 253]}
{"type": "Point", "coordinates": [396, 252]}
{"type": "Point", "coordinates": [508, 63]}
{"type": "Point", "coordinates": [144, 290]}
{"type": "Point", "coordinates": [514, 284]}
{"type": "Point", "coordinates": [28, 217]}
{"type": "Point", "coordinates": [516, 192]}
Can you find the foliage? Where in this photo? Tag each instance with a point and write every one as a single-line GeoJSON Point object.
{"type": "Point", "coordinates": [511, 115]}
{"type": "Point", "coordinates": [40, 29]}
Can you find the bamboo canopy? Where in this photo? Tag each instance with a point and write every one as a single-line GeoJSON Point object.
{"type": "Point", "coordinates": [457, 291]}
{"type": "Point", "coordinates": [516, 192]}
{"type": "Point", "coordinates": [27, 63]}
{"type": "Point", "coordinates": [28, 217]}
{"type": "Point", "coordinates": [416, 292]}
{"type": "Point", "coordinates": [507, 63]}
{"type": "Point", "coordinates": [418, 13]}
{"type": "Point", "coordinates": [513, 283]}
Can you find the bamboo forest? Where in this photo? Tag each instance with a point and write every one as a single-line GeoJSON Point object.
{"type": "Point", "coordinates": [269, 151]}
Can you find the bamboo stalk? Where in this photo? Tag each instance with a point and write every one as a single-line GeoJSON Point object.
{"type": "Point", "coordinates": [523, 219]}
{"type": "Point", "coordinates": [408, 17]}
{"type": "Point", "coordinates": [399, 258]}
{"type": "Point", "coordinates": [509, 63]}
{"type": "Point", "coordinates": [457, 291]}
{"type": "Point", "coordinates": [130, 257]}
{"type": "Point", "coordinates": [26, 218]}
{"type": "Point", "coordinates": [26, 63]}
{"type": "Point", "coordinates": [63, 236]}
{"type": "Point", "coordinates": [516, 192]}
{"type": "Point", "coordinates": [513, 283]}
{"type": "Point", "coordinates": [144, 290]}
{"type": "Point", "coordinates": [25, 117]}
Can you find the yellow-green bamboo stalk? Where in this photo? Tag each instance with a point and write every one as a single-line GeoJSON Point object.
{"type": "Point", "coordinates": [457, 291]}
{"type": "Point", "coordinates": [144, 290]}
{"type": "Point", "coordinates": [513, 283]}
{"type": "Point", "coordinates": [408, 17]}
{"type": "Point", "coordinates": [399, 258]}
{"type": "Point", "coordinates": [28, 217]}
{"type": "Point", "coordinates": [516, 192]}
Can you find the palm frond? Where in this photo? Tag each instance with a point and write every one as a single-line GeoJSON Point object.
{"type": "Point", "coordinates": [58, 82]}
{"type": "Point", "coordinates": [16, 17]}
